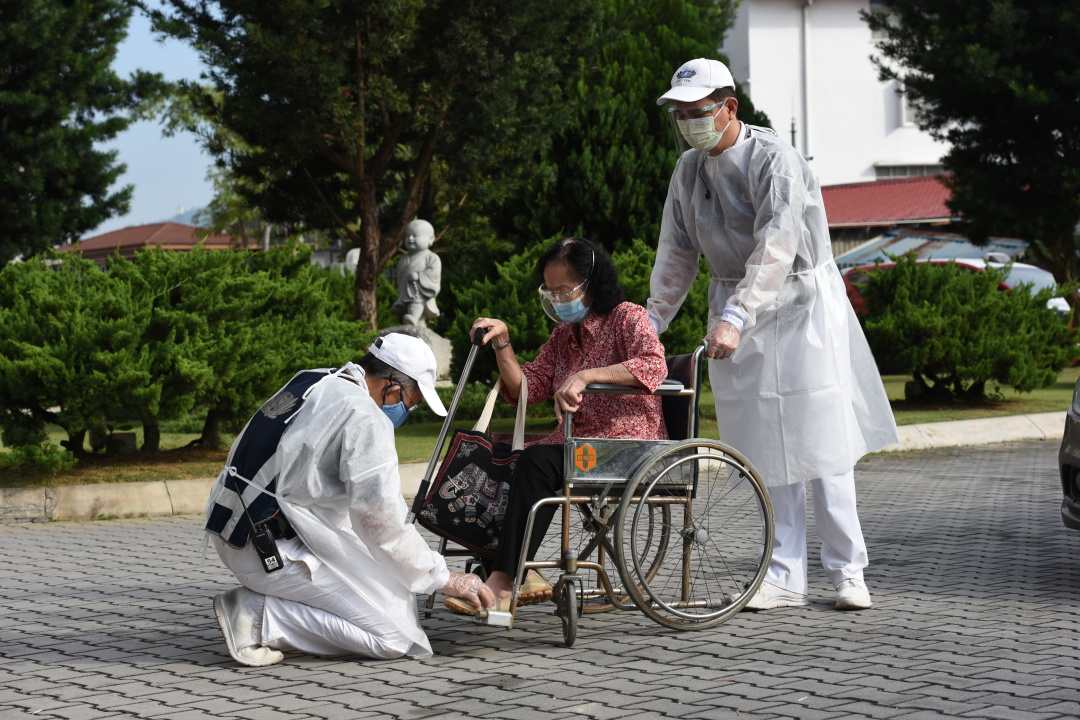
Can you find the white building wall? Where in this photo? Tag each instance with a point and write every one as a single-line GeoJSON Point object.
{"type": "Point", "coordinates": [737, 46]}
{"type": "Point", "coordinates": [775, 62]}
{"type": "Point", "coordinates": [855, 121]}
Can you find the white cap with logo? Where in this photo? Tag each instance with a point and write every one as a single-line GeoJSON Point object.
{"type": "Point", "coordinates": [412, 356]}
{"type": "Point", "coordinates": [695, 79]}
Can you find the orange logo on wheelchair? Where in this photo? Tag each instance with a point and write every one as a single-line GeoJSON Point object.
{"type": "Point", "coordinates": [585, 457]}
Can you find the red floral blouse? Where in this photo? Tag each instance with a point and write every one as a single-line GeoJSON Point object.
{"type": "Point", "coordinates": [625, 336]}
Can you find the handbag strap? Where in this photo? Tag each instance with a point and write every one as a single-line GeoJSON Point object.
{"type": "Point", "coordinates": [519, 420]}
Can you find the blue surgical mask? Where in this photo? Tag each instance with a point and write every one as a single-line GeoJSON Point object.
{"type": "Point", "coordinates": [397, 412]}
{"type": "Point", "coordinates": [571, 312]}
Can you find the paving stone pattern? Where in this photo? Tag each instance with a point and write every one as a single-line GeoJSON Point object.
{"type": "Point", "coordinates": [977, 611]}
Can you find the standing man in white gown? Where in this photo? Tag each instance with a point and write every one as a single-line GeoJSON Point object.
{"type": "Point", "coordinates": [796, 387]}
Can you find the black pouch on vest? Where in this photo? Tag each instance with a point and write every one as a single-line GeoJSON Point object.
{"type": "Point", "coordinates": [266, 547]}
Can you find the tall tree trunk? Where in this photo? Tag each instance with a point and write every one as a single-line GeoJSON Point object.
{"type": "Point", "coordinates": [211, 430]}
{"type": "Point", "coordinates": [367, 277]}
{"type": "Point", "coordinates": [74, 443]}
{"type": "Point", "coordinates": [151, 435]}
{"type": "Point", "coordinates": [366, 305]}
{"type": "Point", "coordinates": [974, 392]}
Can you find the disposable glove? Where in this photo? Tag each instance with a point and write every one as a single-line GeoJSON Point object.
{"type": "Point", "coordinates": [722, 340]}
{"type": "Point", "coordinates": [469, 588]}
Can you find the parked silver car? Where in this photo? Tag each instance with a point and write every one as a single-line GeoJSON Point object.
{"type": "Point", "coordinates": [1069, 461]}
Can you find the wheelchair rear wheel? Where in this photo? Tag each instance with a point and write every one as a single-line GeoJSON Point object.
{"type": "Point", "coordinates": [721, 529]}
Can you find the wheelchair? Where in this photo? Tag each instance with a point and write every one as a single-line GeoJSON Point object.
{"type": "Point", "coordinates": [678, 529]}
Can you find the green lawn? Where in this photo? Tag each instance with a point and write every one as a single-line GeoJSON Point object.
{"type": "Point", "coordinates": [1055, 398]}
{"type": "Point", "coordinates": [169, 440]}
{"type": "Point", "coordinates": [416, 440]}
{"type": "Point", "coordinates": [166, 465]}
{"type": "Point", "coordinates": [174, 462]}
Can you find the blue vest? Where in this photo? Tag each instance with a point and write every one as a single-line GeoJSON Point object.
{"type": "Point", "coordinates": [255, 447]}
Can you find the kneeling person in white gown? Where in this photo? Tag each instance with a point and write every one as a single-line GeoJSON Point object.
{"type": "Point", "coordinates": [308, 515]}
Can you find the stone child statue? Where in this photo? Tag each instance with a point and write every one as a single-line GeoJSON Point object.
{"type": "Point", "coordinates": [418, 274]}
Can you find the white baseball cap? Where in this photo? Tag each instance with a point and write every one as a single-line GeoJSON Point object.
{"type": "Point", "coordinates": [412, 356]}
{"type": "Point", "coordinates": [695, 79]}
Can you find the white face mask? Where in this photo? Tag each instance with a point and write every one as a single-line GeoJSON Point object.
{"type": "Point", "coordinates": [701, 133]}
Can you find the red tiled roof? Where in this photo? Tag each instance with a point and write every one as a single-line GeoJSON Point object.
{"type": "Point", "coordinates": [887, 202]}
{"type": "Point", "coordinates": [167, 235]}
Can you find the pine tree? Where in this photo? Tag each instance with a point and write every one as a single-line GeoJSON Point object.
{"type": "Point", "coordinates": [606, 175]}
{"type": "Point", "coordinates": [345, 107]}
{"type": "Point", "coordinates": [997, 79]}
{"type": "Point", "coordinates": [59, 100]}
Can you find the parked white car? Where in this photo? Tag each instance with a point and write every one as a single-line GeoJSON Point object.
{"type": "Point", "coordinates": [1023, 274]}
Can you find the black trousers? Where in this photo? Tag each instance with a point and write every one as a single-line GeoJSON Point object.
{"type": "Point", "coordinates": [539, 474]}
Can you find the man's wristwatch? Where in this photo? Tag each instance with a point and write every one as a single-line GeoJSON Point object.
{"type": "Point", "coordinates": [496, 346]}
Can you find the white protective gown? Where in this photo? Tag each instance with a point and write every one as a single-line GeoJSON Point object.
{"type": "Point", "coordinates": [352, 572]}
{"type": "Point", "coordinates": [801, 395]}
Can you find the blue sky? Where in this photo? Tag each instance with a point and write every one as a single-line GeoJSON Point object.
{"type": "Point", "coordinates": [168, 174]}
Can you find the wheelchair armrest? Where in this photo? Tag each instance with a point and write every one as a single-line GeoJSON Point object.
{"type": "Point", "coordinates": [612, 389]}
{"type": "Point", "coordinates": [668, 387]}
{"type": "Point", "coordinates": [673, 388]}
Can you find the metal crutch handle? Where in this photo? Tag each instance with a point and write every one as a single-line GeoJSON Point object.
{"type": "Point", "coordinates": [477, 338]}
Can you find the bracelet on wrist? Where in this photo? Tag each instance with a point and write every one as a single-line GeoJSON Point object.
{"type": "Point", "coordinates": [499, 346]}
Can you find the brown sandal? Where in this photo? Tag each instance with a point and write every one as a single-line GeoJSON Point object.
{"type": "Point", "coordinates": [462, 607]}
{"type": "Point", "coordinates": [535, 589]}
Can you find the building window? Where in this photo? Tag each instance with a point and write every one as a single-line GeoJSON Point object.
{"type": "Point", "coordinates": [885, 172]}
{"type": "Point", "coordinates": [907, 112]}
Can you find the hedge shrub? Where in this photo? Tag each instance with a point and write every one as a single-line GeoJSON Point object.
{"type": "Point", "coordinates": [41, 458]}
{"type": "Point", "coordinates": [161, 336]}
{"type": "Point", "coordinates": [956, 331]}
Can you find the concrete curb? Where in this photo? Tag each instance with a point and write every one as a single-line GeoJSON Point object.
{"type": "Point", "coordinates": [104, 500]}
{"type": "Point", "coordinates": [983, 431]}
{"type": "Point", "coordinates": [188, 497]}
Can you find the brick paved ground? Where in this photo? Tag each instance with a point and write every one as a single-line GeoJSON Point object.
{"type": "Point", "coordinates": [976, 585]}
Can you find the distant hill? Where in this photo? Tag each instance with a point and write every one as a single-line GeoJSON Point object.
{"type": "Point", "coordinates": [188, 217]}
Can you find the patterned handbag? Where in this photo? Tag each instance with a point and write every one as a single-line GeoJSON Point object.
{"type": "Point", "coordinates": [467, 499]}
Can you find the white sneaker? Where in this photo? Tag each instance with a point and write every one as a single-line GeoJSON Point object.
{"type": "Point", "coordinates": [851, 594]}
{"type": "Point", "coordinates": [239, 613]}
{"type": "Point", "coordinates": [771, 596]}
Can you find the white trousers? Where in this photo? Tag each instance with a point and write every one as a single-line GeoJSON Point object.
{"type": "Point", "coordinates": [312, 612]}
{"type": "Point", "coordinates": [843, 550]}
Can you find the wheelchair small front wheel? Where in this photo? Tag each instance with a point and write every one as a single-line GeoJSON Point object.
{"type": "Point", "coordinates": [568, 606]}
{"type": "Point", "coordinates": [721, 534]}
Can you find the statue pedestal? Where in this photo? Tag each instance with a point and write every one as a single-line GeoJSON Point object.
{"type": "Point", "coordinates": [438, 344]}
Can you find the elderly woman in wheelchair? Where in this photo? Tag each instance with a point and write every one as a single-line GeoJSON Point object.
{"type": "Point", "coordinates": [599, 338]}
